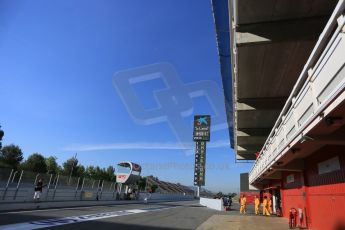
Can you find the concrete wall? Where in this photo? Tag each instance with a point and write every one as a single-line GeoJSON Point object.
{"type": "Point", "coordinates": [26, 195]}
{"type": "Point", "coordinates": [216, 204]}
{"type": "Point", "coordinates": [159, 196]}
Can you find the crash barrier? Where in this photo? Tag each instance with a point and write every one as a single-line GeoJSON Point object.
{"type": "Point", "coordinates": [216, 204]}
{"type": "Point", "coordinates": [18, 186]}
{"type": "Point", "coordinates": [164, 196]}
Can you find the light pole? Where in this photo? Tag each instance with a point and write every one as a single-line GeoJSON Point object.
{"type": "Point", "coordinates": [1, 136]}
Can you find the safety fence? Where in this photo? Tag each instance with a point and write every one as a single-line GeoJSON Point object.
{"type": "Point", "coordinates": [18, 186]}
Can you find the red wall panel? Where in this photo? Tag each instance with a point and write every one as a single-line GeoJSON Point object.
{"type": "Point", "coordinates": [293, 194]}
{"type": "Point", "coordinates": [250, 196]}
{"type": "Point", "coordinates": [323, 195]}
{"type": "Point", "coordinates": [327, 206]}
{"type": "Point", "coordinates": [326, 192]}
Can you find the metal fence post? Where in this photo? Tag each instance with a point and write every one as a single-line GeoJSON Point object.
{"type": "Point", "coordinates": [57, 181]}
{"type": "Point", "coordinates": [82, 184]}
{"type": "Point", "coordinates": [8, 182]}
{"type": "Point", "coordinates": [113, 189]}
{"type": "Point", "coordinates": [18, 184]}
{"type": "Point", "coordinates": [97, 191]}
{"type": "Point", "coordinates": [120, 191]}
{"type": "Point", "coordinates": [116, 190]}
{"type": "Point", "coordinates": [76, 188]}
{"type": "Point", "coordinates": [50, 180]}
{"type": "Point", "coordinates": [82, 189]}
{"type": "Point", "coordinates": [36, 178]}
{"type": "Point", "coordinates": [9, 178]}
{"type": "Point", "coordinates": [20, 179]}
{"type": "Point", "coordinates": [100, 197]}
{"type": "Point", "coordinates": [14, 176]}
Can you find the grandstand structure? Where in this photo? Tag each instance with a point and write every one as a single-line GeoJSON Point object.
{"type": "Point", "coordinates": [167, 187]}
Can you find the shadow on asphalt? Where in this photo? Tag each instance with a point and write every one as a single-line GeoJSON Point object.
{"type": "Point", "coordinates": [88, 225]}
{"type": "Point", "coordinates": [92, 225]}
{"type": "Point", "coordinates": [181, 205]}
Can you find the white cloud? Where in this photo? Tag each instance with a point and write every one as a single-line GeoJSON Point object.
{"type": "Point", "coordinates": [142, 145]}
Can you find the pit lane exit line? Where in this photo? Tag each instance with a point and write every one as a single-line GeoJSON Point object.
{"type": "Point", "coordinates": [45, 223]}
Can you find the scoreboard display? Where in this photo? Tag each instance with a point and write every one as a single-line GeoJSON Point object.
{"type": "Point", "coordinates": [202, 128]}
{"type": "Point", "coordinates": [201, 134]}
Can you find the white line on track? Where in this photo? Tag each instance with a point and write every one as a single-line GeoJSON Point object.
{"type": "Point", "coordinates": [45, 223]}
{"type": "Point", "coordinates": [58, 209]}
{"type": "Point", "coordinates": [81, 207]}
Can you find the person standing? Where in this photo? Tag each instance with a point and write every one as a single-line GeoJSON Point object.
{"type": "Point", "coordinates": [256, 205]}
{"type": "Point", "coordinates": [243, 202]}
{"type": "Point", "coordinates": [269, 205]}
{"type": "Point", "coordinates": [38, 190]}
{"type": "Point", "coordinates": [264, 207]}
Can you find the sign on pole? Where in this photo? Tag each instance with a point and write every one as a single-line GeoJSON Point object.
{"type": "Point", "coordinates": [202, 128]}
{"type": "Point", "coordinates": [200, 163]}
{"type": "Point", "coordinates": [201, 134]}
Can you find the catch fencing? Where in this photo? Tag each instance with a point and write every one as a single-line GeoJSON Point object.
{"type": "Point", "coordinates": [18, 186]}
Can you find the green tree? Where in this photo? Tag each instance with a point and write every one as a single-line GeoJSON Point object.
{"type": "Point", "coordinates": [69, 166]}
{"type": "Point", "coordinates": [98, 173]}
{"type": "Point", "coordinates": [90, 172]}
{"type": "Point", "coordinates": [110, 174]}
{"type": "Point", "coordinates": [11, 156]}
{"type": "Point", "coordinates": [36, 163]}
{"type": "Point", "coordinates": [154, 188]}
{"type": "Point", "coordinates": [80, 170]}
{"type": "Point", "coordinates": [219, 194]}
{"type": "Point", "coordinates": [232, 194]}
{"type": "Point", "coordinates": [142, 183]}
{"type": "Point", "coordinates": [52, 165]}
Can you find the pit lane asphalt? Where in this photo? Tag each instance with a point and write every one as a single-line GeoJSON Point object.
{"type": "Point", "coordinates": [174, 215]}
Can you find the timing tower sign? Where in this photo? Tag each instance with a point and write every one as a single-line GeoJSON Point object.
{"type": "Point", "coordinates": [201, 134]}
{"type": "Point", "coordinates": [202, 128]}
{"type": "Point", "coordinates": [200, 162]}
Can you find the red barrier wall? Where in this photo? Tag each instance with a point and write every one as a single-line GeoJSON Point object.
{"type": "Point", "coordinates": [326, 192]}
{"type": "Point", "coordinates": [321, 196]}
{"type": "Point", "coordinates": [293, 194]}
{"type": "Point", "coordinates": [250, 196]}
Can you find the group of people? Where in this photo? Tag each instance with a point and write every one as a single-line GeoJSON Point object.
{"type": "Point", "coordinates": [266, 205]}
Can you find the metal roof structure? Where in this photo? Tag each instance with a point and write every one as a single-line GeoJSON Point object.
{"type": "Point", "coordinates": [263, 46]}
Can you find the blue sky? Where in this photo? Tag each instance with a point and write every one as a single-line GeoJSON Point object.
{"type": "Point", "coordinates": [57, 63]}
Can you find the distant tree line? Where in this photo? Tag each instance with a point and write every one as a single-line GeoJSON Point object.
{"type": "Point", "coordinates": [11, 156]}
{"type": "Point", "coordinates": [220, 194]}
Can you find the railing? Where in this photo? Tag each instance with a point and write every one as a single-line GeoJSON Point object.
{"type": "Point", "coordinates": [316, 87]}
{"type": "Point", "coordinates": [18, 186]}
